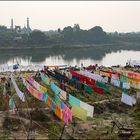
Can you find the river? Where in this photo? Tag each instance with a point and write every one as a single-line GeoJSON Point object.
{"type": "Point", "coordinates": [72, 57]}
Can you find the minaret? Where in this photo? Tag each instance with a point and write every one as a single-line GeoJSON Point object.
{"type": "Point", "coordinates": [28, 26]}
{"type": "Point", "coordinates": [12, 25]}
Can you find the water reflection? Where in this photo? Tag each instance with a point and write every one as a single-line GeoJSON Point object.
{"type": "Point", "coordinates": [71, 56]}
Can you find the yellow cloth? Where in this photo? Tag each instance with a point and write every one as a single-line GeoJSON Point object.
{"type": "Point", "coordinates": [43, 89]}
{"type": "Point", "coordinates": [104, 74]}
{"type": "Point", "coordinates": [48, 81]}
{"type": "Point", "coordinates": [79, 112]}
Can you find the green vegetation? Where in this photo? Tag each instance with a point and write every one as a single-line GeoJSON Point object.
{"type": "Point", "coordinates": [69, 36]}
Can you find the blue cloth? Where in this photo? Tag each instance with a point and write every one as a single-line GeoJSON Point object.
{"type": "Point", "coordinates": [62, 105]}
{"type": "Point", "coordinates": [43, 77]}
{"type": "Point", "coordinates": [55, 88]}
{"type": "Point", "coordinates": [73, 100]}
{"type": "Point", "coordinates": [45, 96]}
{"type": "Point", "coordinates": [53, 105]}
{"type": "Point", "coordinates": [75, 78]}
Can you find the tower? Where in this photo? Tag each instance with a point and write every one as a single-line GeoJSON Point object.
{"type": "Point", "coordinates": [28, 26]}
{"type": "Point", "coordinates": [12, 25]}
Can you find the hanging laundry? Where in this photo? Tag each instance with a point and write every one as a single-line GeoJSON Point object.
{"type": "Point", "coordinates": [58, 112]}
{"type": "Point", "coordinates": [45, 79]}
{"type": "Point", "coordinates": [115, 76]}
{"type": "Point", "coordinates": [124, 90]}
{"type": "Point", "coordinates": [45, 97]}
{"type": "Point", "coordinates": [88, 89]}
{"type": "Point", "coordinates": [126, 85]}
{"type": "Point", "coordinates": [122, 78]}
{"type": "Point", "coordinates": [12, 104]}
{"type": "Point", "coordinates": [98, 90]}
{"type": "Point", "coordinates": [66, 115]}
{"type": "Point", "coordinates": [127, 99]}
{"type": "Point", "coordinates": [49, 100]}
{"type": "Point", "coordinates": [79, 112]}
{"type": "Point", "coordinates": [74, 101]}
{"type": "Point", "coordinates": [105, 79]}
{"type": "Point", "coordinates": [103, 73]}
{"type": "Point", "coordinates": [102, 85]}
{"type": "Point", "coordinates": [93, 76]}
{"type": "Point", "coordinates": [121, 84]}
{"type": "Point", "coordinates": [53, 106]}
{"type": "Point", "coordinates": [63, 95]}
{"type": "Point", "coordinates": [62, 105]}
{"type": "Point", "coordinates": [6, 98]}
{"type": "Point", "coordinates": [55, 88]}
{"type": "Point", "coordinates": [36, 85]}
{"type": "Point", "coordinates": [115, 82]}
{"type": "Point", "coordinates": [88, 108]}
{"type": "Point", "coordinates": [19, 93]}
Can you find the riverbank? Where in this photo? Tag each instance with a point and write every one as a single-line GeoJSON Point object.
{"type": "Point", "coordinates": [113, 46]}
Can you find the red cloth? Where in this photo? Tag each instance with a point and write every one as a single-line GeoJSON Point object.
{"type": "Point", "coordinates": [98, 89]}
{"type": "Point", "coordinates": [6, 98]}
{"type": "Point", "coordinates": [84, 79]}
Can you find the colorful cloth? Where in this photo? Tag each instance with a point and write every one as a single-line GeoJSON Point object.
{"type": "Point", "coordinates": [74, 101]}
{"type": "Point", "coordinates": [63, 95]}
{"type": "Point", "coordinates": [115, 82]}
{"type": "Point", "coordinates": [45, 97]}
{"type": "Point", "coordinates": [88, 89]}
{"type": "Point", "coordinates": [126, 85]}
{"type": "Point", "coordinates": [88, 108]}
{"type": "Point", "coordinates": [19, 93]}
{"type": "Point", "coordinates": [127, 99]}
{"type": "Point", "coordinates": [102, 85]}
{"type": "Point", "coordinates": [12, 103]}
{"type": "Point", "coordinates": [49, 100]}
{"type": "Point", "coordinates": [79, 112]}
{"type": "Point", "coordinates": [55, 88]}
{"type": "Point", "coordinates": [58, 112]}
{"type": "Point", "coordinates": [36, 85]}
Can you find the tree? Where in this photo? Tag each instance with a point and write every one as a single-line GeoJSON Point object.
{"type": "Point", "coordinates": [37, 37]}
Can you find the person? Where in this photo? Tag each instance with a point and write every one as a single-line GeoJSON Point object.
{"type": "Point", "coordinates": [81, 66]}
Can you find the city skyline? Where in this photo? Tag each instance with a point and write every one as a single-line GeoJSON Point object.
{"type": "Point", "coordinates": [46, 15]}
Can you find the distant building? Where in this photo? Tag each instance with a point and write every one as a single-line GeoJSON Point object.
{"type": "Point", "coordinates": [25, 30]}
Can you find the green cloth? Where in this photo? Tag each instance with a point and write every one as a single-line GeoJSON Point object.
{"type": "Point", "coordinates": [88, 89]}
{"type": "Point", "coordinates": [102, 85]}
{"type": "Point", "coordinates": [121, 84]}
{"type": "Point", "coordinates": [124, 90]}
{"type": "Point", "coordinates": [122, 78]}
{"type": "Point", "coordinates": [56, 100]}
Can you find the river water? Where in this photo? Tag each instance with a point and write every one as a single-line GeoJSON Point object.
{"type": "Point", "coordinates": [87, 56]}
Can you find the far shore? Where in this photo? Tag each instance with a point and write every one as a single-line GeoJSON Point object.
{"type": "Point", "coordinates": [105, 47]}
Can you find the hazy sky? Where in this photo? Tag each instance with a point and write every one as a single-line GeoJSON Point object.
{"type": "Point", "coordinates": [45, 15]}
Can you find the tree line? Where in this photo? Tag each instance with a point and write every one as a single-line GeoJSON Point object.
{"type": "Point", "coordinates": [68, 36]}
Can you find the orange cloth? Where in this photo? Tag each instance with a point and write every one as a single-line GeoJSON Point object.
{"type": "Point", "coordinates": [58, 112]}
{"type": "Point", "coordinates": [49, 100]}
{"type": "Point", "coordinates": [62, 115]}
